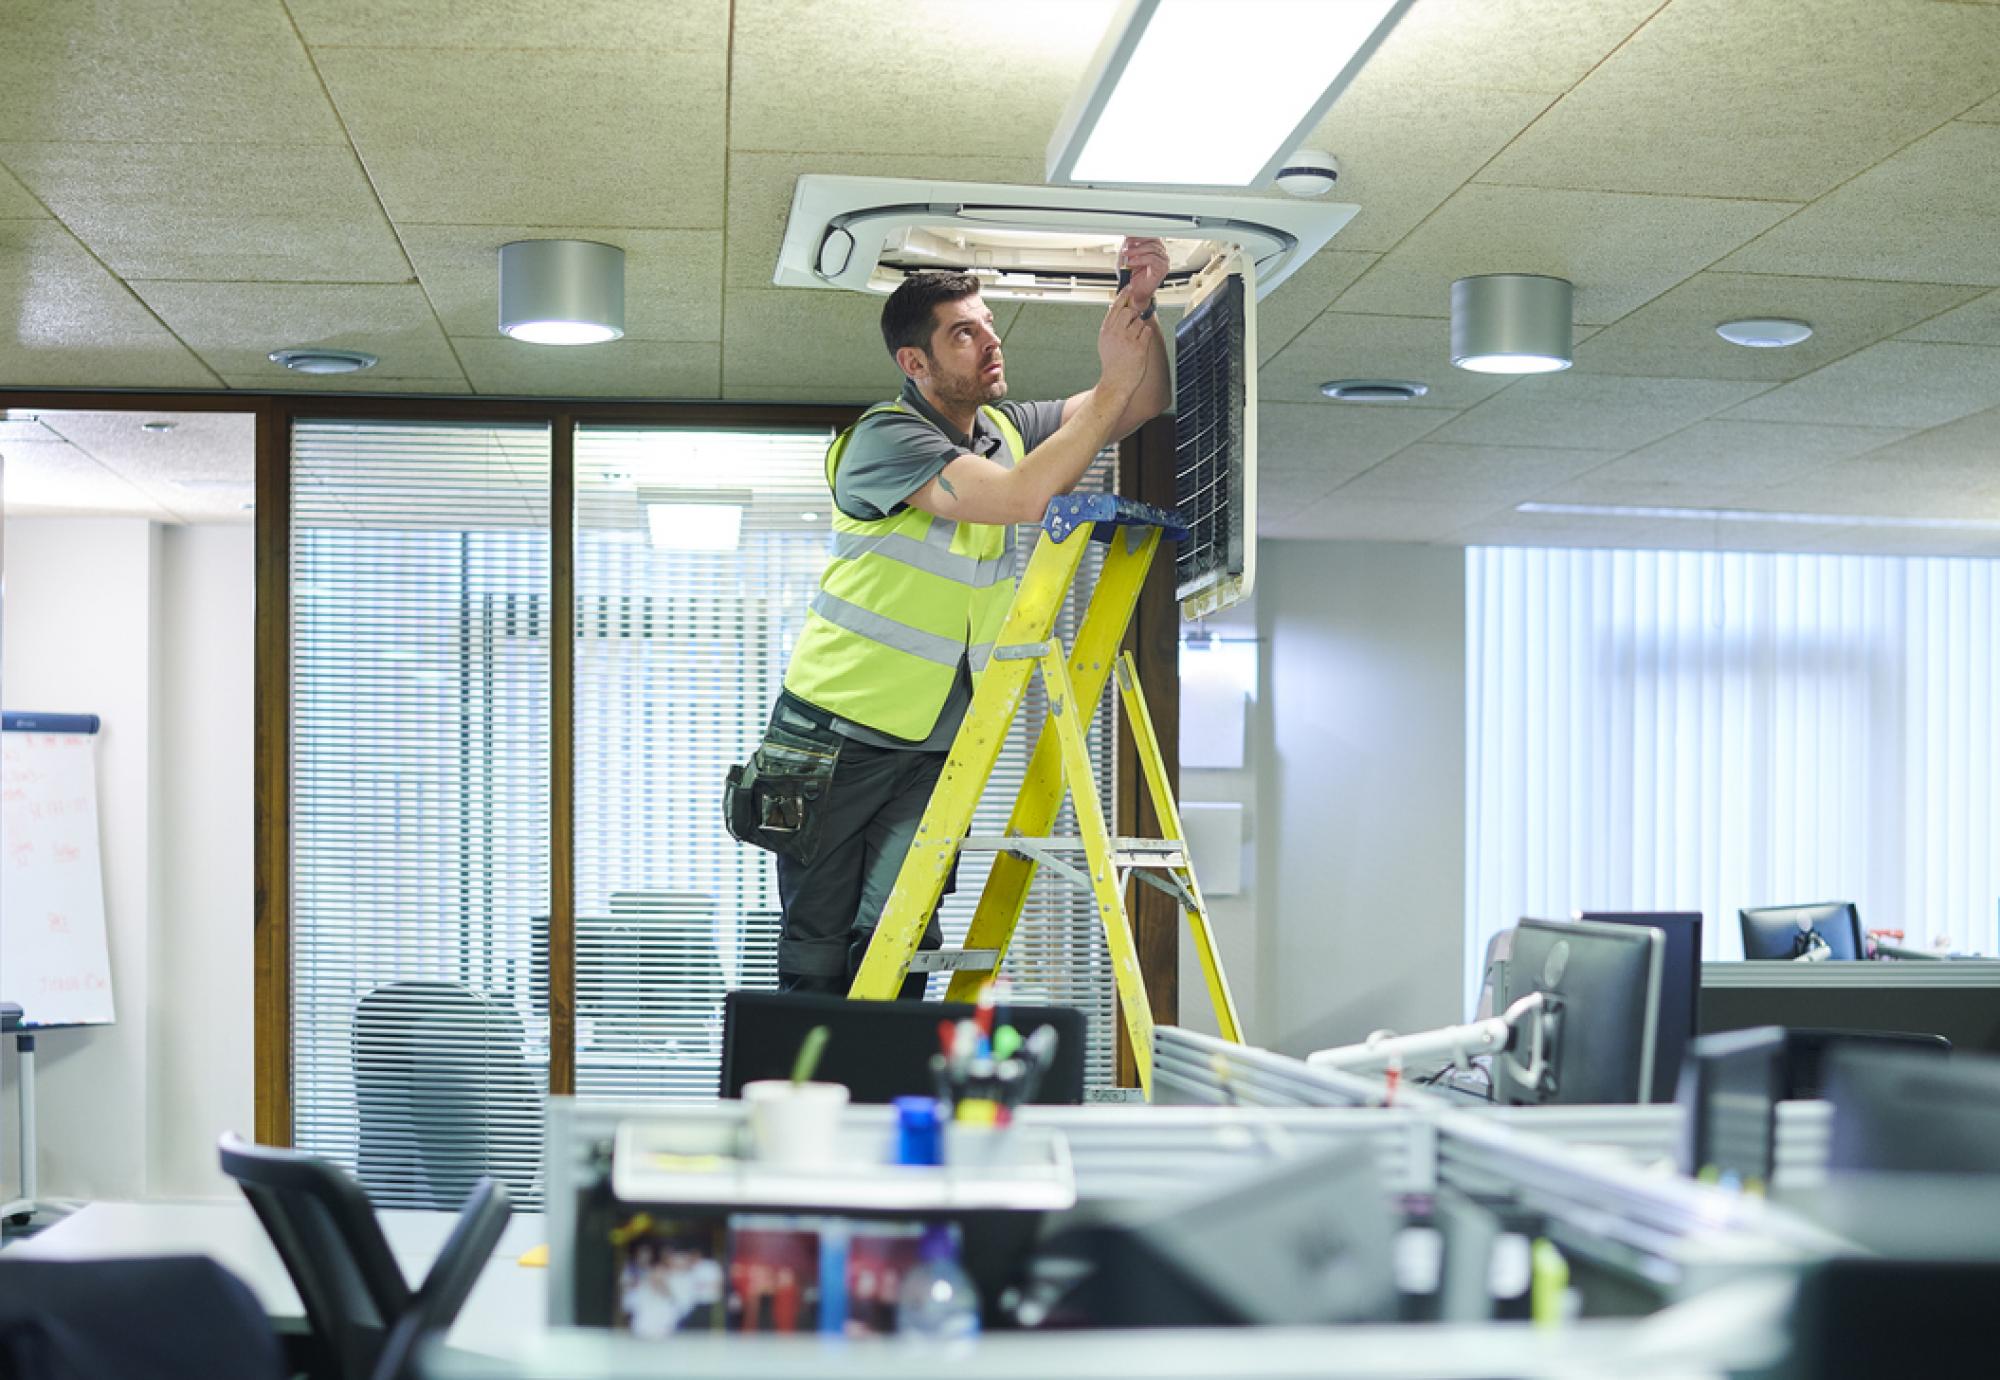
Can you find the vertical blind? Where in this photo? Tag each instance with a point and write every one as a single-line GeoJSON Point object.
{"type": "Point", "coordinates": [1712, 730]}
{"type": "Point", "coordinates": [681, 650]}
{"type": "Point", "coordinates": [420, 711]}
{"type": "Point", "coordinates": [420, 821]}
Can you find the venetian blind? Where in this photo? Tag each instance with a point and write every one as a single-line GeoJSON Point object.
{"type": "Point", "coordinates": [680, 652]}
{"type": "Point", "coordinates": [420, 698]}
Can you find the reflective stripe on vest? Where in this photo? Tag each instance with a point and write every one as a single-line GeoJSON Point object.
{"type": "Point", "coordinates": [901, 602]}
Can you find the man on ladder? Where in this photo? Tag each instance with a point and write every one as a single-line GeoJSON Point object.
{"type": "Point", "coordinates": [926, 491]}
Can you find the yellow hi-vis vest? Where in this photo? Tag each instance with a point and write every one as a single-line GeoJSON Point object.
{"type": "Point", "coordinates": [903, 599]}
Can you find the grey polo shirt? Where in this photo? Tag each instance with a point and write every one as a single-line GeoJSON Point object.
{"type": "Point", "coordinates": [890, 456]}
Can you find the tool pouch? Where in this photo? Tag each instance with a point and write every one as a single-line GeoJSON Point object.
{"type": "Point", "coordinates": [776, 799]}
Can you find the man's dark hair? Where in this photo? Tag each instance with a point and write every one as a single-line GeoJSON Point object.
{"type": "Point", "coordinates": [907, 315]}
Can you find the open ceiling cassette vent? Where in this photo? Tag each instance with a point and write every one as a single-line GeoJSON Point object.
{"type": "Point", "coordinates": [1035, 243]}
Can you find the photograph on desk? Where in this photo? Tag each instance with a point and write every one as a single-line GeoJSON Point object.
{"type": "Point", "coordinates": [669, 1275]}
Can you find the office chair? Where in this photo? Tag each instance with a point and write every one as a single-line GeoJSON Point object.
{"type": "Point", "coordinates": [445, 1092]}
{"type": "Point", "coordinates": [880, 1049]}
{"type": "Point", "coordinates": [366, 1322]}
{"type": "Point", "coordinates": [167, 1317]}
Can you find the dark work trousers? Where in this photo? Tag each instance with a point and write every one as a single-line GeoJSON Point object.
{"type": "Point", "coordinates": [868, 818]}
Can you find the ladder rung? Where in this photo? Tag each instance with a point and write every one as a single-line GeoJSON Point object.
{"type": "Point", "coordinates": [954, 960]}
{"type": "Point", "coordinates": [1126, 852]}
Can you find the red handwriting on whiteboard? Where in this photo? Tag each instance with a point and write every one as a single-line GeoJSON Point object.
{"type": "Point", "coordinates": [58, 923]}
{"type": "Point", "coordinates": [23, 853]}
{"type": "Point", "coordinates": [66, 852]}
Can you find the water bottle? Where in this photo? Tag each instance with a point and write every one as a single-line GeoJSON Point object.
{"type": "Point", "coordinates": [937, 1302]}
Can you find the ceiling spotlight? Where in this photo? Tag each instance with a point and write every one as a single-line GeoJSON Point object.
{"type": "Point", "coordinates": [1764, 332]}
{"type": "Point", "coordinates": [562, 292]}
{"type": "Point", "coordinates": [323, 361]}
{"type": "Point", "coordinates": [1374, 390]}
{"type": "Point", "coordinates": [157, 428]}
{"type": "Point", "coordinates": [1511, 323]}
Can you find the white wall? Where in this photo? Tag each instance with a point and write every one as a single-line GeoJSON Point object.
{"type": "Point", "coordinates": [151, 629]}
{"type": "Point", "coordinates": [1355, 787]}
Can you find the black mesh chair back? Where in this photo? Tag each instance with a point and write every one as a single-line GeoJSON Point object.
{"type": "Point", "coordinates": [445, 1093]}
{"type": "Point", "coordinates": [166, 1317]}
{"type": "Point", "coordinates": [355, 1296]}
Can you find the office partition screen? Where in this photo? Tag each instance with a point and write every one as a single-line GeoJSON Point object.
{"type": "Point", "coordinates": [696, 556]}
{"type": "Point", "coordinates": [420, 712]}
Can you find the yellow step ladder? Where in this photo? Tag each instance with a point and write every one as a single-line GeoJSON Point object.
{"type": "Point", "coordinates": [1074, 684]}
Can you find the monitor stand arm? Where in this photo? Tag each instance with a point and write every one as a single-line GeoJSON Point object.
{"type": "Point", "coordinates": [1500, 1035]}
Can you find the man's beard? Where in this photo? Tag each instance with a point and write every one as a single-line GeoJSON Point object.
{"type": "Point", "coordinates": [971, 390]}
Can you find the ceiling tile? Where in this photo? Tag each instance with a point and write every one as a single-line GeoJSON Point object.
{"type": "Point", "coordinates": [1620, 250]}
{"type": "Point", "coordinates": [1282, 494]}
{"type": "Point", "coordinates": [1295, 303]}
{"type": "Point", "coordinates": [1895, 383]}
{"type": "Point", "coordinates": [235, 326]}
{"type": "Point", "coordinates": [1404, 146]}
{"type": "Point", "coordinates": [1332, 441]}
{"type": "Point", "coordinates": [1985, 113]}
{"type": "Point", "coordinates": [203, 447]}
{"type": "Point", "coordinates": [524, 138]}
{"type": "Point", "coordinates": [673, 278]}
{"type": "Point", "coordinates": [1781, 102]}
{"type": "Point", "coordinates": [1591, 411]}
{"type": "Point", "coordinates": [1971, 440]}
{"type": "Point", "coordinates": [1924, 215]}
{"type": "Point", "coordinates": [1520, 45]}
{"type": "Point", "coordinates": [761, 186]}
{"type": "Point", "coordinates": [1975, 323]}
{"type": "Point", "coordinates": [52, 478]}
{"type": "Point", "coordinates": [1343, 346]}
{"type": "Point", "coordinates": [807, 393]}
{"type": "Point", "coordinates": [137, 71]}
{"type": "Point", "coordinates": [229, 213]}
{"type": "Point", "coordinates": [830, 339]}
{"type": "Point", "coordinates": [1051, 350]}
{"type": "Point", "coordinates": [1338, 517]}
{"type": "Point", "coordinates": [881, 83]}
{"type": "Point", "coordinates": [1871, 486]}
{"type": "Point", "coordinates": [1673, 336]}
{"type": "Point", "coordinates": [620, 369]}
{"type": "Point", "coordinates": [619, 25]}
{"type": "Point", "coordinates": [65, 320]}
{"type": "Point", "coordinates": [1492, 475]}
{"type": "Point", "coordinates": [15, 202]}
{"type": "Point", "coordinates": [346, 383]}
{"type": "Point", "coordinates": [1718, 463]}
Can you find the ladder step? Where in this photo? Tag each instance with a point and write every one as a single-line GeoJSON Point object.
{"type": "Point", "coordinates": [954, 960]}
{"type": "Point", "coordinates": [1126, 852]}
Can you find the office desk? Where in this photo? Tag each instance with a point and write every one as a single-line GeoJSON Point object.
{"type": "Point", "coordinates": [506, 1312]}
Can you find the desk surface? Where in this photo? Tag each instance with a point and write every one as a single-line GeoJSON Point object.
{"type": "Point", "coordinates": [508, 1307]}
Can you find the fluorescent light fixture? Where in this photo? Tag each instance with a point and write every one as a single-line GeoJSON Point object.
{"type": "Point", "coordinates": [1753, 515]}
{"type": "Point", "coordinates": [694, 519]}
{"type": "Point", "coordinates": [1511, 323]}
{"type": "Point", "coordinates": [1191, 93]}
{"type": "Point", "coordinates": [562, 292]}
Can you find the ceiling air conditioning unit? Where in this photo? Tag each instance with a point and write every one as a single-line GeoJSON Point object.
{"type": "Point", "coordinates": [1035, 243]}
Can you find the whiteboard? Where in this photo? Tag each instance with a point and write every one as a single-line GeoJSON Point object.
{"type": "Point", "coordinates": [54, 961]}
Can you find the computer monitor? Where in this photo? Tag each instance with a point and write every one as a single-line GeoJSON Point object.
{"type": "Point", "coordinates": [1779, 932]}
{"type": "Point", "coordinates": [1680, 986]}
{"type": "Point", "coordinates": [880, 1049]}
{"type": "Point", "coordinates": [1898, 1112]}
{"type": "Point", "coordinates": [1600, 1016]}
{"type": "Point", "coordinates": [1730, 1087]}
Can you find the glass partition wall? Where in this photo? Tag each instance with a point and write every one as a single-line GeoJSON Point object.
{"type": "Point", "coordinates": [422, 653]}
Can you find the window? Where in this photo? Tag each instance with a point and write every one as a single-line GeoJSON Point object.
{"type": "Point", "coordinates": [1708, 730]}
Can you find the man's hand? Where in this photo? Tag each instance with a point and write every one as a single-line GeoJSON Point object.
{"type": "Point", "coordinates": [1124, 348]}
{"type": "Point", "coordinates": [1147, 260]}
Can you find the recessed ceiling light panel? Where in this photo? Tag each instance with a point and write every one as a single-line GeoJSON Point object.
{"type": "Point", "coordinates": [1764, 332]}
{"type": "Point", "coordinates": [316, 361]}
{"type": "Point", "coordinates": [1374, 390]}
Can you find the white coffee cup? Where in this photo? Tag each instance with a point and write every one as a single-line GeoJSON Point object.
{"type": "Point", "coordinates": [795, 1124]}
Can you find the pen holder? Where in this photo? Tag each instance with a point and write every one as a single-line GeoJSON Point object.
{"type": "Point", "coordinates": [796, 1124]}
